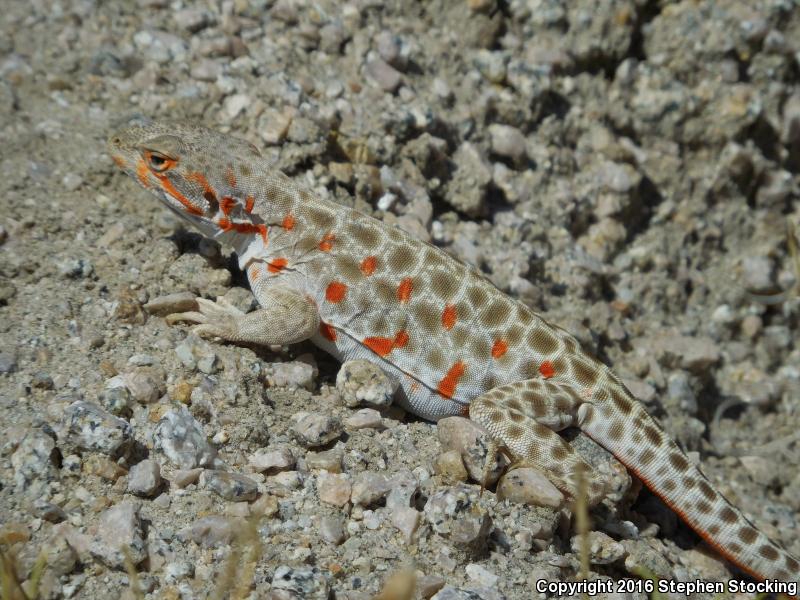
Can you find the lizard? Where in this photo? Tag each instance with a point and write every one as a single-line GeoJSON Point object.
{"type": "Point", "coordinates": [361, 289]}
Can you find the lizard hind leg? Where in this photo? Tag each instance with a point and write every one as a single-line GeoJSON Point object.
{"type": "Point", "coordinates": [525, 423]}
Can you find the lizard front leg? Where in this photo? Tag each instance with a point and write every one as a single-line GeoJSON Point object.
{"type": "Point", "coordinates": [287, 317]}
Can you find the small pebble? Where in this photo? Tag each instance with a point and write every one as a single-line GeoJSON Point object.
{"type": "Point", "coordinates": [144, 478]}
{"type": "Point", "coordinates": [364, 382]}
{"type": "Point", "coordinates": [230, 486]}
{"type": "Point", "coordinates": [366, 418]}
{"type": "Point", "coordinates": [182, 440]}
{"type": "Point", "coordinates": [334, 488]}
{"type": "Point", "coordinates": [272, 460]}
{"type": "Point", "coordinates": [119, 527]}
{"type": "Point", "coordinates": [315, 429]}
{"type": "Point", "coordinates": [529, 486]}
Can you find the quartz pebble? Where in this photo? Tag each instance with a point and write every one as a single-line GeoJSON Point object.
{"type": "Point", "coordinates": [364, 382]}
{"type": "Point", "coordinates": [272, 460]}
{"type": "Point", "coordinates": [455, 513]}
{"type": "Point", "coordinates": [144, 478]}
{"type": "Point", "coordinates": [300, 582]}
{"type": "Point", "coordinates": [86, 426]}
{"type": "Point", "coordinates": [471, 442]}
{"type": "Point", "coordinates": [230, 486]}
{"type": "Point", "coordinates": [182, 440]}
{"type": "Point", "coordinates": [119, 527]}
{"type": "Point", "coordinates": [529, 486]}
{"type": "Point", "coordinates": [314, 429]}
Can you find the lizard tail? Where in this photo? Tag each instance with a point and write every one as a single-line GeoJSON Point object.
{"type": "Point", "coordinates": [623, 427]}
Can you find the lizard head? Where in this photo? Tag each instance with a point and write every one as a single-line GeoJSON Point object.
{"type": "Point", "coordinates": [191, 169]}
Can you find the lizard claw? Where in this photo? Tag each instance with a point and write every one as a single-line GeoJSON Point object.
{"type": "Point", "coordinates": [213, 319]}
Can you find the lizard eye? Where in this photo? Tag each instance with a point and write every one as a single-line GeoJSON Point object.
{"type": "Point", "coordinates": [159, 162]}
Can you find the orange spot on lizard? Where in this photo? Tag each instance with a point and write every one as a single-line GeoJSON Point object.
{"type": "Point", "coordinates": [335, 292]}
{"type": "Point", "coordinates": [276, 265]}
{"type": "Point", "coordinates": [167, 186]}
{"type": "Point", "coordinates": [546, 369]}
{"type": "Point", "coordinates": [227, 204]}
{"type": "Point", "coordinates": [230, 177]}
{"type": "Point", "coordinates": [142, 172]}
{"type": "Point", "coordinates": [227, 225]}
{"type": "Point", "coordinates": [499, 348]}
{"type": "Point", "coordinates": [327, 242]}
{"type": "Point", "coordinates": [255, 273]}
{"type": "Point", "coordinates": [404, 290]}
{"type": "Point", "coordinates": [288, 222]}
{"type": "Point", "coordinates": [449, 317]}
{"type": "Point", "coordinates": [327, 331]}
{"type": "Point", "coordinates": [368, 265]}
{"type": "Point", "coordinates": [383, 345]}
{"type": "Point", "coordinates": [379, 345]}
{"type": "Point", "coordinates": [248, 204]}
{"type": "Point", "coordinates": [447, 386]}
{"type": "Point", "coordinates": [400, 339]}
{"type": "Point", "coordinates": [201, 180]}
{"type": "Point", "coordinates": [118, 160]}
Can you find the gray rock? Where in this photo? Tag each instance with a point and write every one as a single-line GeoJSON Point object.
{"type": "Point", "coordinates": [230, 486]}
{"type": "Point", "coordinates": [388, 46]}
{"type": "Point", "coordinates": [481, 575]}
{"type": "Point", "coordinates": [293, 375]}
{"type": "Point", "coordinates": [428, 585]}
{"type": "Point", "coordinates": [455, 513]}
{"type": "Point", "coordinates": [469, 185]}
{"type": "Point", "coordinates": [144, 478]}
{"type": "Point", "coordinates": [327, 460]}
{"type": "Point", "coordinates": [34, 461]}
{"type": "Point", "coordinates": [177, 570]}
{"type": "Point", "coordinates": [210, 531]}
{"type": "Point", "coordinates": [386, 76]}
{"type": "Point", "coordinates": [61, 558]}
{"type": "Point", "coordinates": [314, 429]}
{"type": "Point", "coordinates": [145, 384]}
{"type": "Point", "coordinates": [403, 489]}
{"type": "Point", "coordinates": [192, 19]}
{"type": "Point", "coordinates": [366, 418]}
{"type": "Point", "coordinates": [119, 528]}
{"type": "Point", "coordinates": [603, 550]}
{"type": "Point", "coordinates": [333, 488]}
{"type": "Point", "coordinates": [369, 488]}
{"type": "Point", "coordinates": [8, 362]}
{"type": "Point", "coordinates": [48, 511]}
{"type": "Point", "coordinates": [195, 353]}
{"type": "Point", "coordinates": [184, 477]}
{"type": "Point", "coordinates": [42, 380]}
{"type": "Point", "coordinates": [758, 274]}
{"type": "Point", "coordinates": [452, 593]}
{"type": "Point", "coordinates": [272, 460]}
{"type": "Point", "coordinates": [182, 440]}
{"type": "Point", "coordinates": [406, 520]}
{"type": "Point", "coordinates": [507, 141]}
{"type": "Point", "coordinates": [299, 582]}
{"type": "Point", "coordinates": [118, 401]}
{"type": "Point", "coordinates": [86, 426]}
{"type": "Point", "coordinates": [469, 440]}
{"type": "Point", "coordinates": [529, 486]}
{"type": "Point", "coordinates": [331, 529]}
{"type": "Point", "coordinates": [364, 382]}
{"type": "Point", "coordinates": [75, 268]}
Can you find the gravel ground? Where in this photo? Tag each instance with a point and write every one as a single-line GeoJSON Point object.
{"type": "Point", "coordinates": [628, 168]}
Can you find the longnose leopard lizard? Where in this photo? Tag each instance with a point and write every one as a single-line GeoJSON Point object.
{"type": "Point", "coordinates": [360, 289]}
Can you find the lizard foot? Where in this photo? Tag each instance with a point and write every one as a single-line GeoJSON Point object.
{"type": "Point", "coordinates": [212, 319]}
